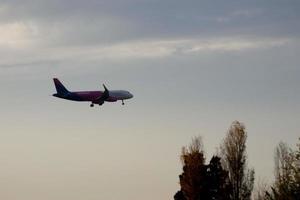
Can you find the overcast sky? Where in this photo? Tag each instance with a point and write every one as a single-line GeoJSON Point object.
{"type": "Point", "coordinates": [193, 67]}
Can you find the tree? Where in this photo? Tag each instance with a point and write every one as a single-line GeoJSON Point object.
{"type": "Point", "coordinates": [260, 190]}
{"type": "Point", "coordinates": [218, 184]}
{"type": "Point", "coordinates": [193, 162]}
{"type": "Point", "coordinates": [287, 174]}
{"type": "Point", "coordinates": [179, 196]}
{"type": "Point", "coordinates": [200, 181]}
{"type": "Point", "coordinates": [233, 153]}
{"type": "Point", "coordinates": [296, 168]}
{"type": "Point", "coordinates": [284, 159]}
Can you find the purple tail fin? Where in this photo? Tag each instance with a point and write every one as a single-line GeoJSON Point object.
{"type": "Point", "coordinates": [60, 88]}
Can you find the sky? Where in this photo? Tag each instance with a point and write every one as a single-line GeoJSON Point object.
{"type": "Point", "coordinates": [193, 66]}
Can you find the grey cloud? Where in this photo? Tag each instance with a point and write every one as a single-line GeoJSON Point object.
{"type": "Point", "coordinates": [151, 49]}
{"type": "Point", "coordinates": [97, 30]}
{"type": "Point", "coordinates": [79, 22]}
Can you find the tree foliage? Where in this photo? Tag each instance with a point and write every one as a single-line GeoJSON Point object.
{"type": "Point", "coordinates": [260, 190]}
{"type": "Point", "coordinates": [227, 177]}
{"type": "Point", "coordinates": [234, 160]}
{"type": "Point", "coordinates": [287, 174]}
{"type": "Point", "coordinates": [200, 181]}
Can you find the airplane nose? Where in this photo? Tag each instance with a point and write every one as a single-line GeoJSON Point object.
{"type": "Point", "coordinates": [131, 95]}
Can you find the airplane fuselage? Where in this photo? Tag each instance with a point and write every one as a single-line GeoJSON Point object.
{"type": "Point", "coordinates": [95, 97]}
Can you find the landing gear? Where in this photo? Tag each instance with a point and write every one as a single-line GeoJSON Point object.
{"type": "Point", "coordinates": [123, 102]}
{"type": "Point", "coordinates": [92, 105]}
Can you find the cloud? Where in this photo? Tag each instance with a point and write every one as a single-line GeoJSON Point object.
{"type": "Point", "coordinates": [247, 13]}
{"type": "Point", "coordinates": [60, 31]}
{"type": "Point", "coordinates": [117, 21]}
{"type": "Point", "coordinates": [237, 15]}
{"type": "Point", "coordinates": [16, 35]}
{"type": "Point", "coordinates": [231, 44]}
{"type": "Point", "coordinates": [135, 50]}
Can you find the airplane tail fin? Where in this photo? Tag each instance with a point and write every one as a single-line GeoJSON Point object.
{"type": "Point", "coordinates": [60, 88]}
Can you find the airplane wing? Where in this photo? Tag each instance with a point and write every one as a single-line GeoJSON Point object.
{"type": "Point", "coordinates": [104, 96]}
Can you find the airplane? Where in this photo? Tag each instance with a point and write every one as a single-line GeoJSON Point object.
{"type": "Point", "coordinates": [95, 97]}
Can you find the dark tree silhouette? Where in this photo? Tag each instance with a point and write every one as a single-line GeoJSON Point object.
{"type": "Point", "coordinates": [192, 179]}
{"type": "Point", "coordinates": [200, 181]}
{"type": "Point", "coordinates": [233, 153]}
{"type": "Point", "coordinates": [179, 196]}
{"type": "Point", "coordinates": [218, 184]}
{"type": "Point", "coordinates": [287, 174]}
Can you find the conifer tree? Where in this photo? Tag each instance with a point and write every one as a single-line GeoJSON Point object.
{"type": "Point", "coordinates": [200, 181]}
